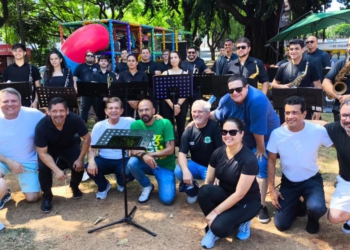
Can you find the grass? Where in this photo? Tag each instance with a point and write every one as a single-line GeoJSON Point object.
{"type": "Point", "coordinates": [18, 238]}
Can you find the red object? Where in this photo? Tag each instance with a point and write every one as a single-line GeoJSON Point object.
{"type": "Point", "coordinates": [6, 50]}
{"type": "Point", "coordinates": [93, 37]}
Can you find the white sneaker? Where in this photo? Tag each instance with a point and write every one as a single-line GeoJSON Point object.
{"type": "Point", "coordinates": [120, 188]}
{"type": "Point", "coordinates": [346, 227]}
{"type": "Point", "coordinates": [209, 240]}
{"type": "Point", "coordinates": [146, 193]}
{"type": "Point", "coordinates": [191, 200]}
{"type": "Point", "coordinates": [244, 231]}
{"type": "Point", "coordinates": [102, 195]}
{"type": "Point", "coordinates": [85, 176]}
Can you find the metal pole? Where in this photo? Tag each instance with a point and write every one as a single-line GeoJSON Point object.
{"type": "Point", "coordinates": [82, 8]}
{"type": "Point", "coordinates": [20, 22]}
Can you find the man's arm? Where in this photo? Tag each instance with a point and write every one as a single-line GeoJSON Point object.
{"type": "Point", "coordinates": [50, 163]}
{"type": "Point", "coordinates": [265, 87]}
{"type": "Point", "coordinates": [277, 85]}
{"type": "Point", "coordinates": [75, 79]}
{"type": "Point", "coordinates": [260, 146]}
{"type": "Point", "coordinates": [169, 149]}
{"type": "Point", "coordinates": [78, 165]}
{"type": "Point", "coordinates": [186, 174]}
{"type": "Point", "coordinates": [92, 167]}
{"type": "Point", "coordinates": [16, 167]}
{"type": "Point", "coordinates": [271, 171]}
{"type": "Point", "coordinates": [36, 100]}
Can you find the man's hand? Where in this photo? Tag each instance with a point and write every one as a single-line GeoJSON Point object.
{"type": "Point", "coordinates": [92, 168]}
{"type": "Point", "coordinates": [16, 167]}
{"type": "Point", "coordinates": [274, 195]}
{"type": "Point", "coordinates": [341, 98]}
{"type": "Point", "coordinates": [187, 177]}
{"type": "Point", "coordinates": [158, 117]}
{"type": "Point", "coordinates": [316, 116]}
{"type": "Point", "coordinates": [216, 182]}
{"type": "Point", "coordinates": [210, 218]}
{"type": "Point", "coordinates": [149, 160]}
{"type": "Point", "coordinates": [78, 165]}
{"type": "Point", "coordinates": [60, 175]}
{"type": "Point", "coordinates": [34, 104]}
{"type": "Point", "coordinates": [260, 153]}
{"type": "Point", "coordinates": [189, 125]}
{"type": "Point", "coordinates": [177, 109]}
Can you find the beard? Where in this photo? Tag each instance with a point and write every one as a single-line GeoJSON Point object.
{"type": "Point", "coordinates": [146, 118]}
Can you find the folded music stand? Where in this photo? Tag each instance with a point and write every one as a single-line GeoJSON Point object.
{"type": "Point", "coordinates": [124, 139]}
{"type": "Point", "coordinates": [45, 94]}
{"type": "Point", "coordinates": [24, 88]}
{"type": "Point", "coordinates": [92, 89]}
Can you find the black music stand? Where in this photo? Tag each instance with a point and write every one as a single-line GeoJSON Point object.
{"type": "Point", "coordinates": [203, 83]}
{"type": "Point", "coordinates": [129, 91]}
{"type": "Point", "coordinates": [220, 86]}
{"type": "Point", "coordinates": [271, 72]}
{"type": "Point", "coordinates": [92, 89]}
{"type": "Point", "coordinates": [45, 94]}
{"type": "Point", "coordinates": [313, 97]}
{"type": "Point", "coordinates": [124, 139]}
{"type": "Point", "coordinates": [24, 88]}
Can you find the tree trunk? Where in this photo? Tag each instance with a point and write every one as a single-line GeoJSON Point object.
{"type": "Point", "coordinates": [212, 53]}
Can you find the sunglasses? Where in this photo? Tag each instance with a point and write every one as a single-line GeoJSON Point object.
{"type": "Point", "coordinates": [307, 42]}
{"type": "Point", "coordinates": [238, 90]}
{"type": "Point", "coordinates": [89, 55]}
{"type": "Point", "coordinates": [241, 47]}
{"type": "Point", "coordinates": [231, 132]}
{"type": "Point", "coordinates": [191, 52]}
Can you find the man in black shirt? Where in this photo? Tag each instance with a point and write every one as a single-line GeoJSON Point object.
{"type": "Point", "coordinates": [222, 61]}
{"type": "Point", "coordinates": [249, 67]}
{"type": "Point", "coordinates": [21, 71]}
{"type": "Point", "coordinates": [55, 137]}
{"type": "Point", "coordinates": [122, 66]}
{"type": "Point", "coordinates": [193, 64]}
{"type": "Point", "coordinates": [201, 140]}
{"type": "Point", "coordinates": [147, 65]}
{"type": "Point", "coordinates": [289, 74]}
{"type": "Point", "coordinates": [83, 72]}
{"type": "Point", "coordinates": [165, 65]}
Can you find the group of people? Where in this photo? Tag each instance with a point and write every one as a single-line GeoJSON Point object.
{"type": "Point", "coordinates": [236, 160]}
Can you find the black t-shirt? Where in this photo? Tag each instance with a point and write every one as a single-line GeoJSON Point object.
{"type": "Point", "coordinates": [228, 171]}
{"type": "Point", "coordinates": [101, 77]}
{"type": "Point", "coordinates": [198, 64]}
{"type": "Point", "coordinates": [14, 73]}
{"type": "Point", "coordinates": [84, 71]}
{"type": "Point", "coordinates": [334, 72]}
{"type": "Point", "coordinates": [47, 135]}
{"type": "Point", "coordinates": [287, 73]}
{"type": "Point", "coordinates": [59, 81]}
{"type": "Point", "coordinates": [164, 67]}
{"type": "Point", "coordinates": [341, 141]}
{"type": "Point", "coordinates": [248, 69]}
{"type": "Point", "coordinates": [150, 67]}
{"type": "Point", "coordinates": [201, 142]}
{"type": "Point", "coordinates": [139, 76]}
{"type": "Point", "coordinates": [121, 67]}
{"type": "Point", "coordinates": [319, 58]}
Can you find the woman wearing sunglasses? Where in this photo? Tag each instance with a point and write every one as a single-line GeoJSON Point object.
{"type": "Point", "coordinates": [230, 204]}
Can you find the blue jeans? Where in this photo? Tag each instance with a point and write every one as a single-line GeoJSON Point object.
{"type": "Point", "coordinates": [198, 171]}
{"type": "Point", "coordinates": [109, 166]}
{"type": "Point", "coordinates": [165, 179]}
{"type": "Point", "coordinates": [312, 191]}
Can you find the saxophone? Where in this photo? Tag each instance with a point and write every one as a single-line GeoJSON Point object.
{"type": "Point", "coordinates": [109, 80]}
{"type": "Point", "coordinates": [147, 71]}
{"type": "Point", "coordinates": [296, 82]}
{"type": "Point", "coordinates": [256, 69]}
{"type": "Point", "coordinates": [340, 86]}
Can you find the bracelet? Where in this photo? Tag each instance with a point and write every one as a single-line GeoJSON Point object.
{"type": "Point", "coordinates": [179, 104]}
{"type": "Point", "coordinates": [215, 211]}
{"type": "Point", "coordinates": [142, 155]}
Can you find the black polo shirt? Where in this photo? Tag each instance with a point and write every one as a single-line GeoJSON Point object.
{"type": "Point", "coordinates": [16, 73]}
{"type": "Point", "coordinates": [47, 135]}
{"type": "Point", "coordinates": [320, 58]}
{"type": "Point", "coordinates": [84, 71]}
{"type": "Point", "coordinates": [287, 73]}
{"type": "Point", "coordinates": [164, 67]}
{"type": "Point", "coordinates": [248, 69]}
{"type": "Point", "coordinates": [150, 66]}
{"type": "Point", "coordinates": [139, 76]}
{"type": "Point", "coordinates": [101, 77]}
{"type": "Point", "coordinates": [198, 64]}
{"type": "Point", "coordinates": [121, 67]}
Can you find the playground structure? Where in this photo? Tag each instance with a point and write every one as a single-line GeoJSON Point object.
{"type": "Point", "coordinates": [120, 35]}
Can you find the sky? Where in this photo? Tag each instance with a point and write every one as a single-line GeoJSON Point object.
{"type": "Point", "coordinates": [334, 6]}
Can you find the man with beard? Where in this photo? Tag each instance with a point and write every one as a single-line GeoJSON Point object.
{"type": "Point", "coordinates": [297, 143]}
{"type": "Point", "coordinates": [147, 65]}
{"type": "Point", "coordinates": [247, 66]}
{"type": "Point", "coordinates": [55, 137]}
{"type": "Point", "coordinates": [193, 64]}
{"type": "Point", "coordinates": [122, 66]}
{"type": "Point", "coordinates": [200, 140]}
{"type": "Point", "coordinates": [83, 72]}
{"type": "Point", "coordinates": [222, 61]}
{"type": "Point", "coordinates": [158, 159]}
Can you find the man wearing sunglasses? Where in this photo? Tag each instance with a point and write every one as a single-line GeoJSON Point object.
{"type": "Point", "coordinates": [84, 72]}
{"type": "Point", "coordinates": [193, 64]}
{"type": "Point", "coordinates": [291, 70]}
{"type": "Point", "coordinates": [246, 65]}
{"type": "Point", "coordinates": [254, 108]}
{"type": "Point", "coordinates": [316, 56]}
{"type": "Point", "coordinates": [297, 143]}
{"type": "Point", "coordinates": [222, 61]}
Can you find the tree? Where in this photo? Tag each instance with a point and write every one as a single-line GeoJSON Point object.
{"type": "Point", "coordinates": [343, 30]}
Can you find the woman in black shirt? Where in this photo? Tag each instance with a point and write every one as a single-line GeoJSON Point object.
{"type": "Point", "coordinates": [57, 74]}
{"type": "Point", "coordinates": [235, 200]}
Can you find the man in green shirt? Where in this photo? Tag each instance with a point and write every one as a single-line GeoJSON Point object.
{"type": "Point", "coordinates": [158, 159]}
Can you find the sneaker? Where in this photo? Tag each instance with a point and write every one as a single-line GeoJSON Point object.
{"type": "Point", "coordinates": [313, 226]}
{"type": "Point", "coordinates": [2, 227]}
{"type": "Point", "coordinates": [85, 176]}
{"type": "Point", "coordinates": [346, 227]}
{"type": "Point", "coordinates": [244, 231]}
{"type": "Point", "coordinates": [264, 216]}
{"type": "Point", "coordinates": [102, 195]}
{"type": "Point", "coordinates": [77, 194]}
{"type": "Point", "coordinates": [191, 200]}
{"type": "Point", "coordinates": [6, 198]}
{"type": "Point", "coordinates": [46, 205]}
{"type": "Point", "coordinates": [120, 188]}
{"type": "Point", "coordinates": [209, 240]}
{"type": "Point", "coordinates": [146, 193]}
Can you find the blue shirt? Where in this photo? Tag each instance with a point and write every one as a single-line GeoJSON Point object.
{"type": "Point", "coordinates": [256, 111]}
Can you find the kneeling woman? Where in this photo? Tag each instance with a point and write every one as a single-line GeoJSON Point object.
{"type": "Point", "coordinates": [235, 200]}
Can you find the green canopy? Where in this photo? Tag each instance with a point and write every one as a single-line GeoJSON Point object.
{"type": "Point", "coordinates": [313, 23]}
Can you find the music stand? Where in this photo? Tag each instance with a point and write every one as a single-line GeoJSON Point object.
{"type": "Point", "coordinates": [271, 72]}
{"type": "Point", "coordinates": [313, 97]}
{"type": "Point", "coordinates": [203, 83]}
{"type": "Point", "coordinates": [124, 139]}
{"type": "Point", "coordinates": [92, 89]}
{"type": "Point", "coordinates": [129, 91]}
{"type": "Point", "coordinates": [24, 88]}
{"type": "Point", "coordinates": [220, 87]}
{"type": "Point", "coordinates": [45, 94]}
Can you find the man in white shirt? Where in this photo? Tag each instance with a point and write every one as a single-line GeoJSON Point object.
{"type": "Point", "coordinates": [297, 144]}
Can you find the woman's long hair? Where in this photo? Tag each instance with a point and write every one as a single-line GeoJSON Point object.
{"type": "Point", "coordinates": [49, 67]}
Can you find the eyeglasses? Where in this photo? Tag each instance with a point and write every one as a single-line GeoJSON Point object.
{"type": "Point", "coordinates": [191, 52]}
{"type": "Point", "coordinates": [344, 116]}
{"type": "Point", "coordinates": [232, 132]}
{"type": "Point", "coordinates": [238, 90]}
{"type": "Point", "coordinates": [241, 47]}
{"type": "Point", "coordinates": [307, 42]}
{"type": "Point", "coordinates": [89, 55]}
